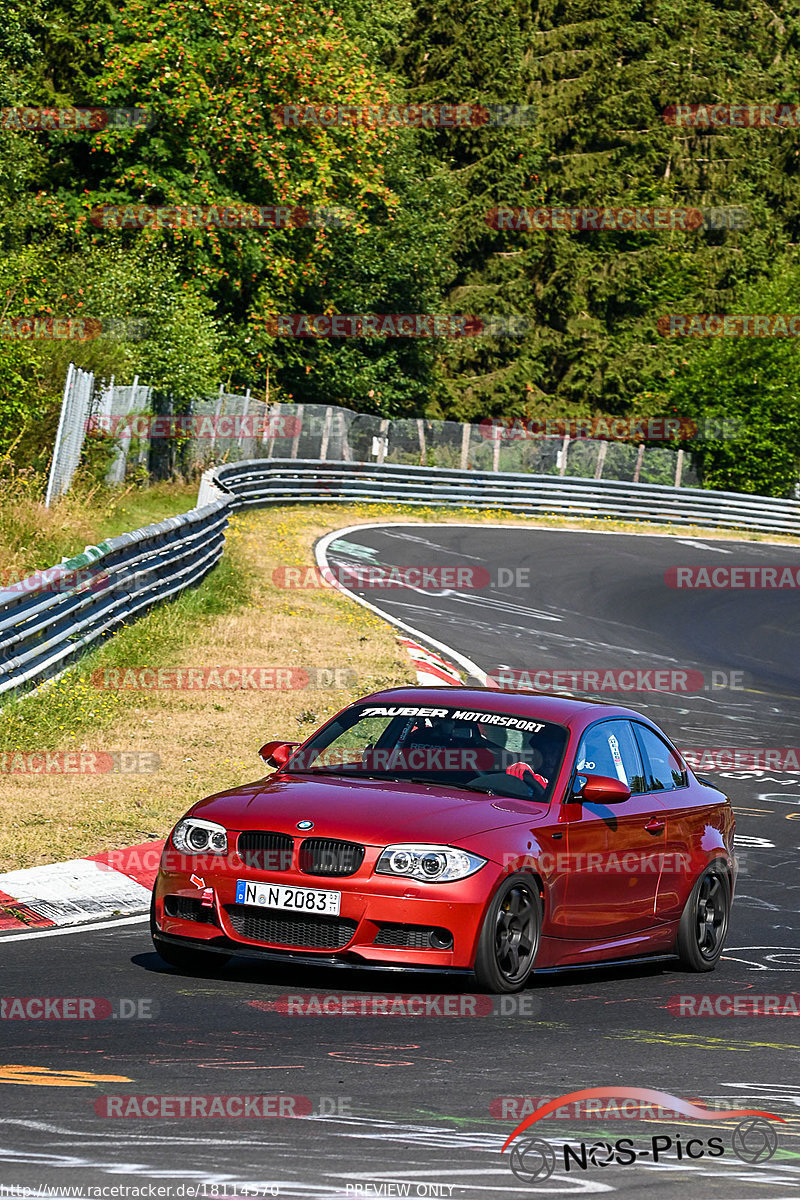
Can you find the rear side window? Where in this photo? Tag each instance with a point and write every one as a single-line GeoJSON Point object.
{"type": "Point", "coordinates": [663, 770]}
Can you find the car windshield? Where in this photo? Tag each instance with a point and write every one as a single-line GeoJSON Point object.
{"type": "Point", "coordinates": [502, 754]}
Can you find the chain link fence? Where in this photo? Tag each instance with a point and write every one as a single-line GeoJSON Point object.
{"type": "Point", "coordinates": [231, 427]}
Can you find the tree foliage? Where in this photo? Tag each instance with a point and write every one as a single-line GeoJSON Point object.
{"type": "Point", "coordinates": [213, 72]}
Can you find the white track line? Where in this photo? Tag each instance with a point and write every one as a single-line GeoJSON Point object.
{"type": "Point", "coordinates": [60, 932]}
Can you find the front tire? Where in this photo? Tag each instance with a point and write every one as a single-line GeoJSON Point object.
{"type": "Point", "coordinates": [704, 924]}
{"type": "Point", "coordinates": [184, 958]}
{"type": "Point", "coordinates": [509, 938]}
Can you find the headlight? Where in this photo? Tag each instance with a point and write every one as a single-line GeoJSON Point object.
{"type": "Point", "coordinates": [429, 864]}
{"type": "Point", "coordinates": [193, 835]}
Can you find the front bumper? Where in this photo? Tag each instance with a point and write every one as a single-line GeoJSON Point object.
{"type": "Point", "coordinates": [370, 906]}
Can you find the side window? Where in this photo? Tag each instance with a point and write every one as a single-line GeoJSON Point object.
{"type": "Point", "coordinates": [610, 749]}
{"type": "Point", "coordinates": [664, 772]}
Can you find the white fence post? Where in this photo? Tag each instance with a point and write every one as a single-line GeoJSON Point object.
{"type": "Point", "coordinates": [296, 438]}
{"type": "Point", "coordinates": [562, 458]}
{"type": "Point", "coordinates": [51, 483]}
{"type": "Point", "coordinates": [383, 439]}
{"type": "Point", "coordinates": [326, 433]}
{"type": "Point", "coordinates": [679, 469]}
{"type": "Point", "coordinates": [423, 454]}
{"type": "Point", "coordinates": [639, 461]}
{"type": "Point", "coordinates": [466, 433]}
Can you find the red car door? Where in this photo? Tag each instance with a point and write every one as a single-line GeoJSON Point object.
{"type": "Point", "coordinates": [614, 850]}
{"type": "Point", "coordinates": [698, 821]}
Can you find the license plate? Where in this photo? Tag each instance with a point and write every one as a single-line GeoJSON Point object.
{"type": "Point", "coordinates": [307, 900]}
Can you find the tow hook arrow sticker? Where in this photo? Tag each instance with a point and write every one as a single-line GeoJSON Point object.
{"type": "Point", "coordinates": [198, 881]}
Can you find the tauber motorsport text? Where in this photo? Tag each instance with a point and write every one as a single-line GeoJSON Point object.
{"type": "Point", "coordinates": [454, 714]}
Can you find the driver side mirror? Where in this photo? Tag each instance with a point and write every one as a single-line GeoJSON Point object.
{"type": "Point", "coordinates": [277, 754]}
{"type": "Point", "coordinates": [599, 789]}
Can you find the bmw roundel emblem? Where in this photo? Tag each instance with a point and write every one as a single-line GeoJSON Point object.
{"type": "Point", "coordinates": [305, 825]}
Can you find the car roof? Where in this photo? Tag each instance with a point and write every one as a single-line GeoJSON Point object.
{"type": "Point", "coordinates": [539, 706]}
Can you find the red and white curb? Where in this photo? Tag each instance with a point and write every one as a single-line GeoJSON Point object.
{"type": "Point", "coordinates": [431, 668]}
{"type": "Point", "coordinates": [116, 883]}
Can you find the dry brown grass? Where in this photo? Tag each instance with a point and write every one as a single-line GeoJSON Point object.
{"type": "Point", "coordinates": [206, 740]}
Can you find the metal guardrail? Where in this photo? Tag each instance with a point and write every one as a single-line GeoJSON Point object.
{"type": "Point", "coordinates": [54, 615]}
{"type": "Point", "coordinates": [50, 618]}
{"type": "Point", "coordinates": [278, 481]}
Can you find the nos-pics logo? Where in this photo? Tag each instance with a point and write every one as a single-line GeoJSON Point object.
{"type": "Point", "coordinates": [534, 1160]}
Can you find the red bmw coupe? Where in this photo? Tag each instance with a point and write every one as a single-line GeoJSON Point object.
{"type": "Point", "coordinates": [456, 829]}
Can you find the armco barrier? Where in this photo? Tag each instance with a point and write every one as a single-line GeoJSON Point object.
{"type": "Point", "coordinates": [50, 618]}
{"type": "Point", "coordinates": [280, 481]}
{"type": "Point", "coordinates": [43, 625]}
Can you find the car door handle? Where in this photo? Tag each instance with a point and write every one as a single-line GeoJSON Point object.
{"type": "Point", "coordinates": [654, 825]}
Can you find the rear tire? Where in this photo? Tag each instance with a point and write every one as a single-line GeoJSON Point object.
{"type": "Point", "coordinates": [184, 958]}
{"type": "Point", "coordinates": [704, 923]}
{"type": "Point", "coordinates": [509, 938]}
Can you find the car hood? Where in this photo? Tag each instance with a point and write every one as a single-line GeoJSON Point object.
{"type": "Point", "coordinates": [374, 812]}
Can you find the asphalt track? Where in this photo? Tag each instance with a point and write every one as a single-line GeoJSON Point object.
{"type": "Point", "coordinates": [402, 1101]}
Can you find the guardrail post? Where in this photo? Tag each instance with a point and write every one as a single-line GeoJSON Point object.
{"type": "Point", "coordinates": [639, 460]}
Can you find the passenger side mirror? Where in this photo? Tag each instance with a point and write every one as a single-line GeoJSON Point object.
{"type": "Point", "coordinates": [277, 754]}
{"type": "Point", "coordinates": [599, 789]}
